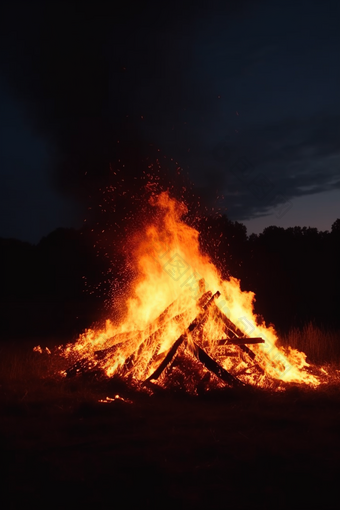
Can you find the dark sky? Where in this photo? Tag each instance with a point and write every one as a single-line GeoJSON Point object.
{"type": "Point", "coordinates": [244, 95]}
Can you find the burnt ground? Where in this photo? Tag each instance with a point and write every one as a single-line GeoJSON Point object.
{"type": "Point", "coordinates": [61, 448]}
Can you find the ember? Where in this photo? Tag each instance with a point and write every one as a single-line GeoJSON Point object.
{"type": "Point", "coordinates": [109, 400]}
{"type": "Point", "coordinates": [185, 327]}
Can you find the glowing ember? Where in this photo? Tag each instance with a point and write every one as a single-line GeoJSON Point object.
{"type": "Point", "coordinates": [40, 350]}
{"type": "Point", "coordinates": [108, 400]}
{"type": "Point", "coordinates": [184, 324]}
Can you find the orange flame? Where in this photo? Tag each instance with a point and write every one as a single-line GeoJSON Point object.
{"type": "Point", "coordinates": [164, 301]}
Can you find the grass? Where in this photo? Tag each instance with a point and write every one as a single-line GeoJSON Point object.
{"type": "Point", "coordinates": [320, 345]}
{"type": "Point", "coordinates": [19, 362]}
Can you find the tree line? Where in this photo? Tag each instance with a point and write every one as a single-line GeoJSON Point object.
{"type": "Point", "coordinates": [64, 283]}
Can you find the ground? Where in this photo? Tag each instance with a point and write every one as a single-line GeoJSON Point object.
{"type": "Point", "coordinates": [61, 448]}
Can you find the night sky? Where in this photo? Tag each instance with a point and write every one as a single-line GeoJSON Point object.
{"type": "Point", "coordinates": [244, 95]}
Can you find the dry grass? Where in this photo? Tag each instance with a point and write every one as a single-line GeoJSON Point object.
{"type": "Point", "coordinates": [18, 362]}
{"type": "Point", "coordinates": [320, 345]}
{"type": "Point", "coordinates": [28, 377]}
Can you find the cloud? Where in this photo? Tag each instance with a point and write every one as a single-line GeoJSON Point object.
{"type": "Point", "coordinates": [262, 168]}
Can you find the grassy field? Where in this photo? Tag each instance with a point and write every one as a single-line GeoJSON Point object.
{"type": "Point", "coordinates": [320, 345]}
{"type": "Point", "coordinates": [60, 447]}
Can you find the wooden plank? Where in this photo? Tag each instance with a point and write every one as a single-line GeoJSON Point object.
{"type": "Point", "coordinates": [233, 331]}
{"type": "Point", "coordinates": [240, 341]}
{"type": "Point", "coordinates": [214, 367]}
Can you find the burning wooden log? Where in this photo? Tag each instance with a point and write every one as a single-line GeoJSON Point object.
{"type": "Point", "coordinates": [183, 337]}
{"type": "Point", "coordinates": [130, 338]}
{"type": "Point", "coordinates": [81, 366]}
{"type": "Point", "coordinates": [152, 339]}
{"type": "Point", "coordinates": [155, 326]}
{"type": "Point", "coordinates": [144, 345]}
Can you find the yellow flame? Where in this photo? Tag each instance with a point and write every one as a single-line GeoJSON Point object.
{"type": "Point", "coordinates": [170, 268]}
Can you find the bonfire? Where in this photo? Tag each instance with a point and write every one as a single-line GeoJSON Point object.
{"type": "Point", "coordinates": [184, 326]}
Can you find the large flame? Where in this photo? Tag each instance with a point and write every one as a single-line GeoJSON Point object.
{"type": "Point", "coordinates": [172, 272]}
